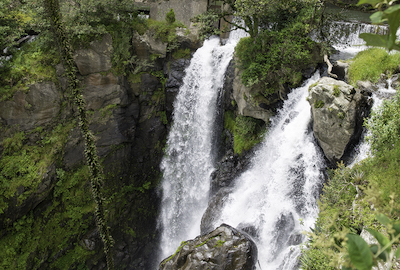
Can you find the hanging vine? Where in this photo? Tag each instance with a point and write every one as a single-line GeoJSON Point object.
{"type": "Point", "coordinates": [96, 174]}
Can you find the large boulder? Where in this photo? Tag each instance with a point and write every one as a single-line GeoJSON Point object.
{"type": "Point", "coordinates": [224, 248]}
{"type": "Point", "coordinates": [337, 111]}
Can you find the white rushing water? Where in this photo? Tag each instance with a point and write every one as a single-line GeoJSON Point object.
{"type": "Point", "coordinates": [188, 162]}
{"type": "Point", "coordinates": [278, 195]}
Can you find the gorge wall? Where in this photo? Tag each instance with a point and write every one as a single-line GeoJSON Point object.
{"type": "Point", "coordinates": [42, 157]}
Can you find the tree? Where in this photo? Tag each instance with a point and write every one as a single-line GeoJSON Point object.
{"type": "Point", "coordinates": [271, 14]}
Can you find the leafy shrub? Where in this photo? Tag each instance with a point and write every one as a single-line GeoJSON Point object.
{"type": "Point", "coordinates": [207, 22]}
{"type": "Point", "coordinates": [34, 62]}
{"type": "Point", "coordinates": [274, 58]}
{"type": "Point", "coordinates": [371, 63]}
{"type": "Point", "coordinates": [166, 32]}
{"type": "Point", "coordinates": [170, 17]}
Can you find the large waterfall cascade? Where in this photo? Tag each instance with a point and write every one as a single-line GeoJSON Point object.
{"type": "Point", "coordinates": [277, 197]}
{"type": "Point", "coordinates": [188, 162]}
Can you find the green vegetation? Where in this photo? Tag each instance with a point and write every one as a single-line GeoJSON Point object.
{"type": "Point", "coordinates": [318, 104]}
{"type": "Point", "coordinates": [35, 63]}
{"type": "Point", "coordinates": [181, 53]}
{"type": "Point", "coordinates": [183, 243]}
{"type": "Point", "coordinates": [336, 90]}
{"type": "Point", "coordinates": [247, 131]}
{"type": "Point", "coordinates": [354, 198]}
{"type": "Point", "coordinates": [275, 58]}
{"type": "Point", "coordinates": [24, 165]}
{"type": "Point", "coordinates": [371, 63]}
{"type": "Point", "coordinates": [388, 12]}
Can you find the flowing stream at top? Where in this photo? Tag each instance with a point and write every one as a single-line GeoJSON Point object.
{"type": "Point", "coordinates": [188, 161]}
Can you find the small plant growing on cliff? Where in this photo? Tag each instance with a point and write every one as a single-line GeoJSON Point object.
{"type": "Point", "coordinates": [336, 91]}
{"type": "Point", "coordinates": [318, 104]}
{"type": "Point", "coordinates": [170, 17]}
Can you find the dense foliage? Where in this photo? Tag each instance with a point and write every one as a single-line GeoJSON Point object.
{"type": "Point", "coordinates": [275, 58]}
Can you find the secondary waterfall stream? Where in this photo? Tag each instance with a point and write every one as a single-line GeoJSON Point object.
{"type": "Point", "coordinates": [278, 195]}
{"type": "Point", "coordinates": [276, 198]}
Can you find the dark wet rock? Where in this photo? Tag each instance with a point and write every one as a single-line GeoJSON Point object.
{"type": "Point", "coordinates": [250, 229]}
{"type": "Point", "coordinates": [222, 249]}
{"type": "Point", "coordinates": [214, 209]}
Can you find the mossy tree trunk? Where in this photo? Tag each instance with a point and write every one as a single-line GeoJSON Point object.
{"type": "Point", "coordinates": [96, 174]}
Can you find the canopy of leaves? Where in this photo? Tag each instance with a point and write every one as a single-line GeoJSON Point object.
{"type": "Point", "coordinates": [275, 57]}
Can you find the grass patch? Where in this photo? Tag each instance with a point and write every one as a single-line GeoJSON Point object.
{"type": "Point", "coordinates": [181, 53]}
{"type": "Point", "coordinates": [371, 63]}
{"type": "Point", "coordinates": [247, 131]}
{"type": "Point", "coordinates": [336, 90]}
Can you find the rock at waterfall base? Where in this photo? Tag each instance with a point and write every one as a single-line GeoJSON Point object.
{"type": "Point", "coordinates": [337, 111]}
{"type": "Point", "coordinates": [223, 248]}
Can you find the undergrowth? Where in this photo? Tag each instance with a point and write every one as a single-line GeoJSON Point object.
{"type": "Point", "coordinates": [23, 164]}
{"type": "Point", "coordinates": [371, 63]}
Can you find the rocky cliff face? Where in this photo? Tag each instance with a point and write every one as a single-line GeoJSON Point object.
{"type": "Point", "coordinates": [129, 120]}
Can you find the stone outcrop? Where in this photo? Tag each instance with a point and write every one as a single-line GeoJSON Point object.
{"type": "Point", "coordinates": [97, 58]}
{"type": "Point", "coordinates": [224, 248]}
{"type": "Point", "coordinates": [146, 45]}
{"type": "Point", "coordinates": [337, 111]}
{"type": "Point", "coordinates": [247, 106]}
{"type": "Point", "coordinates": [39, 106]}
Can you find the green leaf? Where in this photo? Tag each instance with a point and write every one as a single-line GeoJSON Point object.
{"type": "Point", "coordinates": [377, 17]}
{"type": "Point", "coordinates": [371, 2]}
{"type": "Point", "coordinates": [383, 219]}
{"type": "Point", "coordinates": [346, 268]}
{"type": "Point", "coordinates": [359, 252]}
{"type": "Point", "coordinates": [382, 240]}
{"type": "Point", "coordinates": [375, 40]}
{"type": "Point", "coordinates": [397, 254]}
{"type": "Point", "coordinates": [396, 227]}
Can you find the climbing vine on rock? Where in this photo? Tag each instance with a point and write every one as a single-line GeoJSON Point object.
{"type": "Point", "coordinates": [53, 11]}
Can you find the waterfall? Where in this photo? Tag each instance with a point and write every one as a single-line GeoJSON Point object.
{"type": "Point", "coordinates": [188, 161]}
{"type": "Point", "coordinates": [344, 37]}
{"type": "Point", "coordinates": [277, 196]}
